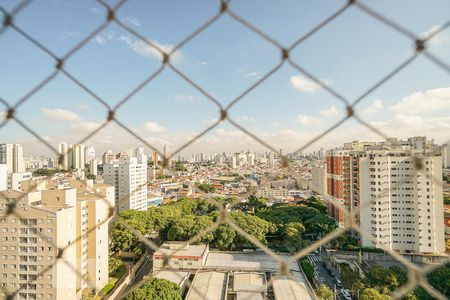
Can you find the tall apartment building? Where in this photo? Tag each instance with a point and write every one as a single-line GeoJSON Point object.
{"type": "Point", "coordinates": [129, 176]}
{"type": "Point", "coordinates": [3, 177]}
{"type": "Point", "coordinates": [400, 207]}
{"type": "Point", "coordinates": [63, 149]}
{"type": "Point", "coordinates": [74, 220]}
{"type": "Point", "coordinates": [12, 156]}
{"type": "Point", "coordinates": [445, 155]}
{"type": "Point", "coordinates": [89, 154]}
{"type": "Point", "coordinates": [319, 180]}
{"type": "Point", "coordinates": [74, 156]}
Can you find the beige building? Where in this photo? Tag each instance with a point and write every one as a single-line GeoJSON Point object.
{"type": "Point", "coordinates": [74, 219]}
{"type": "Point", "coordinates": [319, 180]}
{"type": "Point", "coordinates": [184, 256]}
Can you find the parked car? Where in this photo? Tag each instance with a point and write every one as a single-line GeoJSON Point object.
{"type": "Point", "coordinates": [345, 294]}
{"type": "Point", "coordinates": [338, 282]}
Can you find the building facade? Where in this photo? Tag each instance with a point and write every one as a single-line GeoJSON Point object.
{"type": "Point", "coordinates": [129, 176]}
{"type": "Point", "coordinates": [72, 219]}
{"type": "Point", "coordinates": [396, 205]}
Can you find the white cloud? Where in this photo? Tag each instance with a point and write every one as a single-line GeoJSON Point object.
{"type": "Point", "coordinates": [376, 106]}
{"type": "Point", "coordinates": [306, 85]}
{"type": "Point", "coordinates": [438, 39]}
{"type": "Point", "coordinates": [154, 127]}
{"type": "Point", "coordinates": [83, 128]}
{"type": "Point", "coordinates": [246, 118]}
{"type": "Point", "coordinates": [99, 40]}
{"type": "Point", "coordinates": [211, 121]}
{"type": "Point", "coordinates": [329, 112]}
{"type": "Point", "coordinates": [104, 37]}
{"type": "Point", "coordinates": [60, 114]}
{"type": "Point", "coordinates": [133, 21]}
{"type": "Point", "coordinates": [144, 49]}
{"type": "Point", "coordinates": [95, 10]}
{"type": "Point", "coordinates": [252, 74]}
{"type": "Point", "coordinates": [309, 120]}
{"type": "Point", "coordinates": [423, 102]}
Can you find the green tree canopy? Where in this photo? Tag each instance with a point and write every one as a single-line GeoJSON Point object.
{"type": "Point", "coordinates": [156, 289]}
{"type": "Point", "coordinates": [324, 293]}
{"type": "Point", "coordinates": [372, 294]}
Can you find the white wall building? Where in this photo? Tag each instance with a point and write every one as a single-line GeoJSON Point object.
{"type": "Point", "coordinates": [129, 176]}
{"type": "Point", "coordinates": [12, 156]}
{"type": "Point", "coordinates": [445, 150]}
{"type": "Point", "coordinates": [3, 177]}
{"type": "Point", "coordinates": [14, 180]}
{"type": "Point", "coordinates": [401, 207]}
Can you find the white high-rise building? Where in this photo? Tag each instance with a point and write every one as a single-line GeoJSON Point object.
{"type": "Point", "coordinates": [445, 153]}
{"type": "Point", "coordinates": [402, 207]}
{"type": "Point", "coordinates": [63, 149]}
{"type": "Point", "coordinates": [93, 166]}
{"type": "Point", "coordinates": [3, 177]}
{"type": "Point", "coordinates": [12, 156]}
{"type": "Point", "coordinates": [129, 176]}
{"type": "Point", "coordinates": [89, 154]}
{"type": "Point", "coordinates": [78, 160]}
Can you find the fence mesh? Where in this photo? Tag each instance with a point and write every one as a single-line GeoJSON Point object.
{"type": "Point", "coordinates": [417, 276]}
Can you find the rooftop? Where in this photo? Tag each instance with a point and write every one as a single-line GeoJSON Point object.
{"type": "Point", "coordinates": [176, 277]}
{"type": "Point", "coordinates": [286, 287]}
{"type": "Point", "coordinates": [182, 250]}
{"type": "Point", "coordinates": [209, 285]}
{"type": "Point", "coordinates": [249, 282]}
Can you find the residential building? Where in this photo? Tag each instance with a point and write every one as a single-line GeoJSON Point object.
{"type": "Point", "coordinates": [319, 180]}
{"type": "Point", "coordinates": [72, 219]}
{"type": "Point", "coordinates": [14, 180]}
{"type": "Point", "coordinates": [129, 176]}
{"type": "Point", "coordinates": [398, 205]}
{"type": "Point", "coordinates": [445, 149]}
{"type": "Point", "coordinates": [3, 177]}
{"type": "Point", "coordinates": [12, 156]}
{"type": "Point", "coordinates": [401, 206]}
{"type": "Point", "coordinates": [63, 149]}
{"type": "Point", "coordinates": [89, 154]}
{"type": "Point", "coordinates": [93, 163]}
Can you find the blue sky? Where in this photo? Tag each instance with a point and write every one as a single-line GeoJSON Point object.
{"type": "Point", "coordinates": [349, 55]}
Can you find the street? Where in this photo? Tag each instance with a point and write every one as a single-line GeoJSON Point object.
{"type": "Point", "coordinates": [323, 275]}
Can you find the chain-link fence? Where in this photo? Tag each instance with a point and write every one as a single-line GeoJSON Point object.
{"type": "Point", "coordinates": [417, 275]}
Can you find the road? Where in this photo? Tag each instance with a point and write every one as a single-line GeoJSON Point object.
{"type": "Point", "coordinates": [144, 270]}
{"type": "Point", "coordinates": [324, 276]}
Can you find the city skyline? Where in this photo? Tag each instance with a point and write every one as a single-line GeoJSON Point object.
{"type": "Point", "coordinates": [285, 111]}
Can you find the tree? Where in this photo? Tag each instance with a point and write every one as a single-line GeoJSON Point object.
{"type": "Point", "coordinates": [114, 264]}
{"type": "Point", "coordinates": [190, 226]}
{"type": "Point", "coordinates": [224, 237]}
{"type": "Point", "coordinates": [257, 203]}
{"type": "Point", "coordinates": [324, 293]}
{"type": "Point", "coordinates": [440, 279]}
{"type": "Point", "coordinates": [372, 294]}
{"type": "Point", "coordinates": [156, 289]}
{"type": "Point", "coordinates": [254, 226]}
{"type": "Point", "coordinates": [207, 188]}
{"type": "Point", "coordinates": [308, 268]}
{"type": "Point", "coordinates": [293, 234]}
{"type": "Point", "coordinates": [90, 176]}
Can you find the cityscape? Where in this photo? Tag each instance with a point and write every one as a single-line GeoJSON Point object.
{"type": "Point", "coordinates": [74, 204]}
{"type": "Point", "coordinates": [224, 150]}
